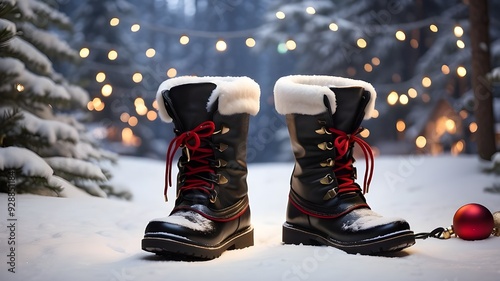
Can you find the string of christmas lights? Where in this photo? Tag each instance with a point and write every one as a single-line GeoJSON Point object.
{"type": "Point", "coordinates": [394, 97]}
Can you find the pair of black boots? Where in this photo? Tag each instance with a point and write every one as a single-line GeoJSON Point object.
{"type": "Point", "coordinates": [326, 206]}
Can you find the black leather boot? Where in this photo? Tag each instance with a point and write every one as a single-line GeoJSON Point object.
{"type": "Point", "coordinates": [211, 212]}
{"type": "Point", "coordinates": [326, 206]}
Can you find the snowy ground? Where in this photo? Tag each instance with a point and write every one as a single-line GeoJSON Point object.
{"type": "Point", "coordinates": [88, 238]}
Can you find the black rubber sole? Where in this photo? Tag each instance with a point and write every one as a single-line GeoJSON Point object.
{"type": "Point", "coordinates": [184, 250]}
{"type": "Point", "coordinates": [382, 244]}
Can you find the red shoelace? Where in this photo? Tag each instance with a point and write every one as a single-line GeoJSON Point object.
{"type": "Point", "coordinates": [191, 142]}
{"type": "Point", "coordinates": [342, 143]}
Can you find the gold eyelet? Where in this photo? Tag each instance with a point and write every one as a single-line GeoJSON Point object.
{"type": "Point", "coordinates": [221, 179]}
{"type": "Point", "coordinates": [221, 163]}
{"type": "Point", "coordinates": [222, 147]}
{"type": "Point", "coordinates": [322, 131]}
{"type": "Point", "coordinates": [327, 163]}
{"type": "Point", "coordinates": [331, 193]}
{"type": "Point", "coordinates": [222, 131]}
{"type": "Point", "coordinates": [325, 146]}
{"type": "Point", "coordinates": [213, 198]}
{"type": "Point", "coordinates": [327, 179]}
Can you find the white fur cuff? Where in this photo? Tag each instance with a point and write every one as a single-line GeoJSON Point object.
{"type": "Point", "coordinates": [304, 94]}
{"type": "Point", "coordinates": [235, 94]}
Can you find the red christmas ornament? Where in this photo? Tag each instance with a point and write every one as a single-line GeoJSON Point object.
{"type": "Point", "coordinates": [473, 222]}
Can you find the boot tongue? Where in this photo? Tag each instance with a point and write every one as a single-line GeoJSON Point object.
{"type": "Point", "coordinates": [351, 103]}
{"type": "Point", "coordinates": [187, 104]}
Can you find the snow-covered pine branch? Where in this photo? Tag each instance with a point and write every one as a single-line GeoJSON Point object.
{"type": "Point", "coordinates": [27, 53]}
{"type": "Point", "coordinates": [46, 42]}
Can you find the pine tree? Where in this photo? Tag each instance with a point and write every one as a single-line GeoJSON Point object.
{"type": "Point", "coordinates": [42, 138]}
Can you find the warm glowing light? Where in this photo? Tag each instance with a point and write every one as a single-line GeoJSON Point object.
{"type": "Point", "coordinates": [19, 87]}
{"type": "Point", "coordinates": [333, 26]}
{"type": "Point", "coordinates": [84, 52]}
{"type": "Point", "coordinates": [114, 21]}
{"type": "Point", "coordinates": [361, 43]}
{"type": "Point", "coordinates": [368, 67]}
{"type": "Point", "coordinates": [100, 107]}
{"type": "Point", "coordinates": [392, 98]}
{"type": "Point", "coordinates": [445, 69]}
{"type": "Point", "coordinates": [155, 104]}
{"type": "Point", "coordinates": [112, 55]}
{"type": "Point", "coordinates": [450, 126]}
{"type": "Point", "coordinates": [400, 125]}
{"type": "Point", "coordinates": [457, 147]}
{"type": "Point", "coordinates": [184, 39]}
{"type": "Point", "coordinates": [100, 77]}
{"type": "Point", "coordinates": [138, 102]}
{"type": "Point", "coordinates": [365, 133]}
{"type": "Point", "coordinates": [400, 35]}
{"type": "Point", "coordinates": [412, 93]}
{"type": "Point", "coordinates": [150, 52]}
{"type": "Point", "coordinates": [463, 113]}
{"type": "Point", "coordinates": [152, 115]}
{"type": "Point", "coordinates": [97, 104]}
{"type": "Point", "coordinates": [280, 15]}
{"type": "Point", "coordinates": [221, 45]}
{"type": "Point", "coordinates": [310, 10]}
{"type": "Point", "coordinates": [129, 139]}
{"type": "Point", "coordinates": [250, 42]}
{"type": "Point", "coordinates": [90, 105]}
{"type": "Point", "coordinates": [106, 90]}
{"type": "Point", "coordinates": [375, 113]}
{"type": "Point", "coordinates": [132, 121]}
{"type": "Point", "coordinates": [141, 109]}
{"type": "Point", "coordinates": [433, 28]}
{"type": "Point", "coordinates": [458, 31]}
{"type": "Point", "coordinates": [426, 82]}
{"type": "Point", "coordinates": [461, 71]}
{"type": "Point", "coordinates": [460, 44]}
{"type": "Point", "coordinates": [135, 27]}
{"type": "Point", "coordinates": [421, 142]}
{"type": "Point", "coordinates": [124, 117]}
{"type": "Point", "coordinates": [137, 77]}
{"type": "Point", "coordinates": [375, 61]}
{"type": "Point", "coordinates": [171, 72]}
{"type": "Point", "coordinates": [291, 45]}
{"type": "Point", "coordinates": [473, 127]}
{"type": "Point", "coordinates": [127, 133]}
{"type": "Point", "coordinates": [403, 99]}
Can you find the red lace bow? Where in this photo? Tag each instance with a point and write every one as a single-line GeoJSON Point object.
{"type": "Point", "coordinates": [342, 143]}
{"type": "Point", "coordinates": [191, 141]}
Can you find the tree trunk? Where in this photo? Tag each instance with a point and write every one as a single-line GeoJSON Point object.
{"type": "Point", "coordinates": [483, 95]}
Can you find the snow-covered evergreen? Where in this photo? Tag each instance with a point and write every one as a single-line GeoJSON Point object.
{"type": "Point", "coordinates": [42, 138]}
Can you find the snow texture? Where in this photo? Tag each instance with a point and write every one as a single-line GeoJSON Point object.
{"type": "Point", "coordinates": [368, 219]}
{"type": "Point", "coordinates": [7, 26]}
{"type": "Point", "coordinates": [90, 238]}
{"type": "Point", "coordinates": [29, 54]}
{"type": "Point", "coordinates": [76, 166]}
{"type": "Point", "coordinates": [45, 40]}
{"type": "Point", "coordinates": [32, 165]}
{"type": "Point", "coordinates": [33, 84]}
{"type": "Point", "coordinates": [49, 129]}
{"type": "Point", "coordinates": [189, 219]}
